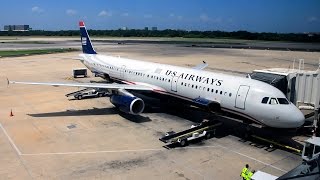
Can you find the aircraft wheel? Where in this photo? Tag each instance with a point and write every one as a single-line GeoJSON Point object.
{"type": "Point", "coordinates": [183, 142]}
{"type": "Point", "coordinates": [208, 135]}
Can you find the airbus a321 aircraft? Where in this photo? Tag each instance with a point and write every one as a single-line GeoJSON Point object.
{"type": "Point", "coordinates": [253, 100]}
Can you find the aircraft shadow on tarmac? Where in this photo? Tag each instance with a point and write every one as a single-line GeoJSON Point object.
{"type": "Point", "coordinates": [71, 112]}
{"type": "Point", "coordinates": [94, 112]}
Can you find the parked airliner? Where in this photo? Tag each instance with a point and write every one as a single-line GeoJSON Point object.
{"type": "Point", "coordinates": [253, 100]}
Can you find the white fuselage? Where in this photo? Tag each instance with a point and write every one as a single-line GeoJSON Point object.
{"type": "Point", "coordinates": [238, 95]}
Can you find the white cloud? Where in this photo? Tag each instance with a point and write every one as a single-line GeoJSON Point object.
{"type": "Point", "coordinates": [204, 17]}
{"type": "Point", "coordinates": [180, 17]}
{"type": "Point", "coordinates": [125, 14]}
{"type": "Point", "coordinates": [147, 16]}
{"type": "Point", "coordinates": [71, 12]}
{"type": "Point", "coordinates": [171, 15]}
{"type": "Point", "coordinates": [312, 19]}
{"type": "Point", "coordinates": [105, 13]}
{"type": "Point", "coordinates": [37, 9]}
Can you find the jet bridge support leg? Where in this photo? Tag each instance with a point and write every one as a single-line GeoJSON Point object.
{"type": "Point", "coordinates": [316, 123]}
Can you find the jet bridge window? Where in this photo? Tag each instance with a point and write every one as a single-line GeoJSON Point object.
{"type": "Point", "coordinates": [283, 101]}
{"type": "Point", "coordinates": [273, 101]}
{"type": "Point", "coordinates": [265, 100]}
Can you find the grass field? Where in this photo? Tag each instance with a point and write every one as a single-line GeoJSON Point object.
{"type": "Point", "coordinates": [16, 53]}
{"type": "Point", "coordinates": [178, 39]}
{"type": "Point", "coordinates": [28, 42]}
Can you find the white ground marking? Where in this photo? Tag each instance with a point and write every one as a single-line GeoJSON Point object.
{"type": "Point", "coordinates": [10, 140]}
{"type": "Point", "coordinates": [145, 150]}
{"type": "Point", "coordinates": [91, 152]}
{"type": "Point", "coordinates": [266, 164]}
{"type": "Point", "coordinates": [17, 151]}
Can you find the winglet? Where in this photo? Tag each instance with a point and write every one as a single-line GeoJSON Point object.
{"type": "Point", "coordinates": [10, 82]}
{"type": "Point", "coordinates": [200, 66]}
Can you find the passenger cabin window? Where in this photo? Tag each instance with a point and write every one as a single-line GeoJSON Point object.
{"type": "Point", "coordinates": [265, 100]}
{"type": "Point", "coordinates": [283, 101]}
{"type": "Point", "coordinates": [273, 101]}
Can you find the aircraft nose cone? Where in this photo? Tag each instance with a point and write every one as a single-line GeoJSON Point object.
{"type": "Point", "coordinates": [297, 118]}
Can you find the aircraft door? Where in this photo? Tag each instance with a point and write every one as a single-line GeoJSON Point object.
{"type": "Point", "coordinates": [122, 71]}
{"type": "Point", "coordinates": [242, 96]}
{"type": "Point", "coordinates": [174, 83]}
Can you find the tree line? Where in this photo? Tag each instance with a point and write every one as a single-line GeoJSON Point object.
{"type": "Point", "coordinates": [295, 37]}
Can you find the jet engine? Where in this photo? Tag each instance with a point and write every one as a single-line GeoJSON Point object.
{"type": "Point", "coordinates": [127, 103]}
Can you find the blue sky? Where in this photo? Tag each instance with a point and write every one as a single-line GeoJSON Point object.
{"type": "Point", "coordinates": [226, 15]}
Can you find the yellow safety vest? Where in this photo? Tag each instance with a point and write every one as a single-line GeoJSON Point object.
{"type": "Point", "coordinates": [249, 175]}
{"type": "Point", "coordinates": [244, 172]}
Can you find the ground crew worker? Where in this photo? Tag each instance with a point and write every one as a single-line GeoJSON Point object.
{"type": "Point", "coordinates": [250, 174]}
{"type": "Point", "coordinates": [244, 172]}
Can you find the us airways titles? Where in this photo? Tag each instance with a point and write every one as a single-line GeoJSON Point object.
{"type": "Point", "coordinates": [191, 77]}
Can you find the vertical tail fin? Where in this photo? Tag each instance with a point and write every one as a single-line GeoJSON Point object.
{"type": "Point", "coordinates": [87, 47]}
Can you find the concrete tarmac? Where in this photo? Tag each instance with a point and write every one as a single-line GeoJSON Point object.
{"type": "Point", "coordinates": [53, 137]}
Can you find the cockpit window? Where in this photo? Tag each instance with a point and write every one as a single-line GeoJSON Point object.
{"type": "Point", "coordinates": [283, 101]}
{"type": "Point", "coordinates": [273, 101]}
{"type": "Point", "coordinates": [265, 100]}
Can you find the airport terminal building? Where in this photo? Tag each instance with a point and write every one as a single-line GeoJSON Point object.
{"type": "Point", "coordinates": [16, 27]}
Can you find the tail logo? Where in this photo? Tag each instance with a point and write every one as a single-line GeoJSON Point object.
{"type": "Point", "coordinates": [84, 41]}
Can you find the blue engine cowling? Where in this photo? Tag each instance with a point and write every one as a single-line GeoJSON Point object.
{"type": "Point", "coordinates": [128, 104]}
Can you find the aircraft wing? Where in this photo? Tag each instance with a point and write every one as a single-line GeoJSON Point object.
{"type": "Point", "coordinates": [88, 85]}
{"type": "Point", "coordinates": [200, 66]}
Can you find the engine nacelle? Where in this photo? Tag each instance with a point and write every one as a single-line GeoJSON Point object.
{"type": "Point", "coordinates": [128, 104]}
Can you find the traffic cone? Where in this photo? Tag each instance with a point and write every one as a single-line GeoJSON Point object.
{"type": "Point", "coordinates": [11, 114]}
